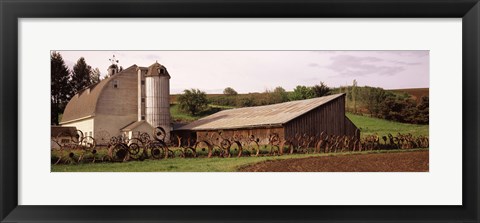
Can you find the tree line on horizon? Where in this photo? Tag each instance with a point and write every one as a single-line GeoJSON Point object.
{"type": "Point", "coordinates": [373, 101]}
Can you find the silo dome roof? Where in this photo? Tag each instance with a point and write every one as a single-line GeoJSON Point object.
{"type": "Point", "coordinates": [157, 69]}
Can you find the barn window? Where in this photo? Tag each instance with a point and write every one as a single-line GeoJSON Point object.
{"type": "Point", "coordinates": [162, 71]}
{"type": "Point", "coordinates": [143, 82]}
{"type": "Point", "coordinates": [143, 100]}
{"type": "Point", "coordinates": [115, 84]}
{"type": "Point", "coordinates": [143, 117]}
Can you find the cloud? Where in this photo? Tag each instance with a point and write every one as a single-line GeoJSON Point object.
{"type": "Point", "coordinates": [405, 63]}
{"type": "Point", "coordinates": [353, 66]}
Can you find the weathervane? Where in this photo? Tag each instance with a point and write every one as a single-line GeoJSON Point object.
{"type": "Point", "coordinates": [113, 60]}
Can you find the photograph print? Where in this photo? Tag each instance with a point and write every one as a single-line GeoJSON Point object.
{"type": "Point", "coordinates": [239, 111]}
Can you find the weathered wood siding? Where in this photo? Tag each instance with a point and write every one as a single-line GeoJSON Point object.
{"type": "Point", "coordinates": [351, 129]}
{"type": "Point", "coordinates": [261, 133]}
{"type": "Point", "coordinates": [329, 118]}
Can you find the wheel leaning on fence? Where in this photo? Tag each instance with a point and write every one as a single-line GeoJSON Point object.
{"type": "Point", "coordinates": [158, 150]}
{"type": "Point", "coordinates": [119, 152]}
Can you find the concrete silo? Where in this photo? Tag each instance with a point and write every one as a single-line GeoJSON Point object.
{"type": "Point", "coordinates": [157, 98]}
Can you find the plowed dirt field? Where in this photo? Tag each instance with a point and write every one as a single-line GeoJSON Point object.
{"type": "Point", "coordinates": [416, 161]}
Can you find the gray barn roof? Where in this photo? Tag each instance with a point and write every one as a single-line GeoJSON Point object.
{"type": "Point", "coordinates": [84, 103]}
{"type": "Point", "coordinates": [249, 117]}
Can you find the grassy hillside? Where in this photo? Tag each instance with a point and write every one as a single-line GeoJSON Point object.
{"type": "Point", "coordinates": [382, 127]}
{"type": "Point", "coordinates": [181, 116]}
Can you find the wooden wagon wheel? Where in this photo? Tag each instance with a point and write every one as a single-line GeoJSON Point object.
{"type": "Point", "coordinates": [60, 151]}
{"type": "Point", "coordinates": [225, 145]}
{"type": "Point", "coordinates": [253, 148]}
{"type": "Point", "coordinates": [239, 148]}
{"type": "Point", "coordinates": [159, 133]}
{"type": "Point", "coordinates": [77, 137]}
{"type": "Point", "coordinates": [119, 152]}
{"type": "Point", "coordinates": [134, 151]}
{"type": "Point", "coordinates": [189, 152]}
{"type": "Point", "coordinates": [209, 146]}
{"type": "Point", "coordinates": [158, 150]}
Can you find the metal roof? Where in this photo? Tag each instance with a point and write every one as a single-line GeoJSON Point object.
{"type": "Point", "coordinates": [258, 116]}
{"type": "Point", "coordinates": [84, 103]}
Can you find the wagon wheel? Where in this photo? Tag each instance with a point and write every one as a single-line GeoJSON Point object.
{"type": "Point", "coordinates": [274, 150]}
{"type": "Point", "coordinates": [69, 158]}
{"type": "Point", "coordinates": [159, 133]}
{"type": "Point", "coordinates": [114, 140]}
{"type": "Point", "coordinates": [287, 146]}
{"type": "Point", "coordinates": [208, 147]}
{"type": "Point", "coordinates": [274, 140]}
{"type": "Point", "coordinates": [77, 137]}
{"type": "Point", "coordinates": [189, 152]}
{"type": "Point", "coordinates": [106, 158]}
{"type": "Point", "coordinates": [60, 152]}
{"type": "Point", "coordinates": [158, 150]}
{"type": "Point", "coordinates": [171, 153]}
{"type": "Point", "coordinates": [236, 148]}
{"type": "Point", "coordinates": [89, 143]}
{"type": "Point", "coordinates": [144, 138]}
{"type": "Point", "coordinates": [254, 148]}
{"type": "Point", "coordinates": [94, 155]}
{"type": "Point", "coordinates": [282, 148]}
{"type": "Point", "coordinates": [225, 146]}
{"type": "Point", "coordinates": [134, 151]}
{"type": "Point", "coordinates": [120, 152]}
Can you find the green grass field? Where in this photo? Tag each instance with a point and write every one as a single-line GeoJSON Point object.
{"type": "Point", "coordinates": [382, 127]}
{"type": "Point", "coordinates": [190, 164]}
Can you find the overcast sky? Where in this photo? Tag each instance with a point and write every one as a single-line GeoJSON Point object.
{"type": "Point", "coordinates": [257, 71]}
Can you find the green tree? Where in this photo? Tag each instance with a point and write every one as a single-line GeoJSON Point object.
{"type": "Point", "coordinates": [374, 98]}
{"type": "Point", "coordinates": [81, 75]}
{"type": "Point", "coordinates": [95, 76]}
{"type": "Point", "coordinates": [229, 91]}
{"type": "Point", "coordinates": [246, 100]}
{"type": "Point", "coordinates": [278, 95]}
{"type": "Point", "coordinates": [301, 92]}
{"type": "Point", "coordinates": [321, 90]}
{"type": "Point", "coordinates": [423, 110]}
{"type": "Point", "coordinates": [60, 90]}
{"type": "Point", "coordinates": [193, 101]}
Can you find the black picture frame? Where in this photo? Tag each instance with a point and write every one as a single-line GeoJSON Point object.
{"type": "Point", "coordinates": [11, 11]}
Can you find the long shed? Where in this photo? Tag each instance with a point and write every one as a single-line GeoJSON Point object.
{"type": "Point", "coordinates": [311, 116]}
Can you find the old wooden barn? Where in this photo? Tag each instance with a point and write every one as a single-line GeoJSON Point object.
{"type": "Point", "coordinates": [312, 116]}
